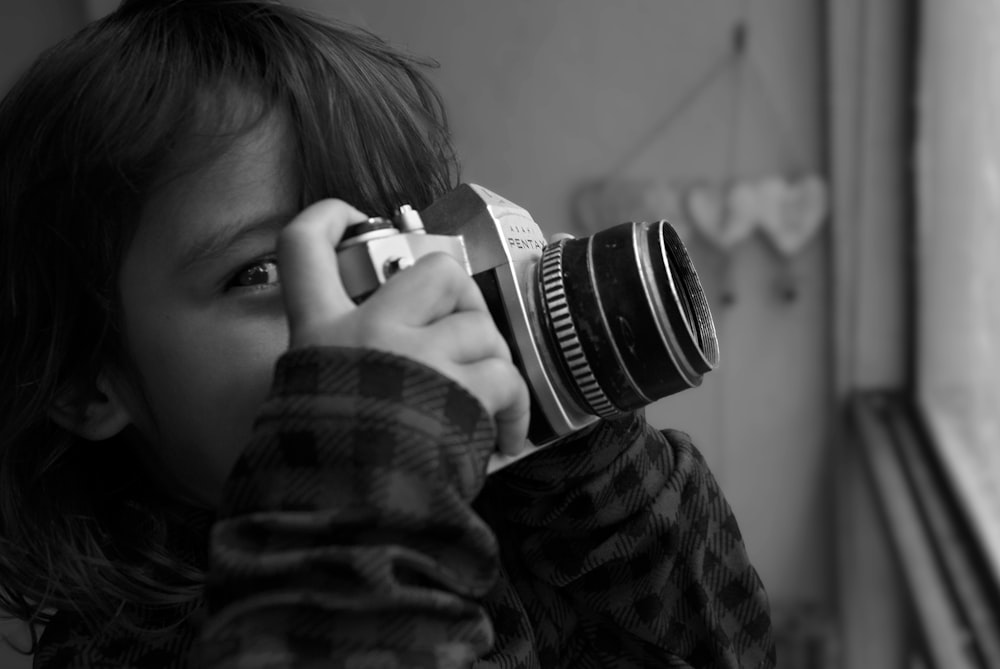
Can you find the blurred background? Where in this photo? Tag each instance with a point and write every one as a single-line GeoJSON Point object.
{"type": "Point", "coordinates": [832, 168]}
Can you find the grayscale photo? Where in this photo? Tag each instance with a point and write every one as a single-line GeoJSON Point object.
{"type": "Point", "coordinates": [537, 334]}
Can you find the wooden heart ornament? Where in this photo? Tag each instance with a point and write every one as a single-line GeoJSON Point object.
{"type": "Point", "coordinates": [792, 212]}
{"type": "Point", "coordinates": [747, 207]}
{"type": "Point", "coordinates": [711, 212]}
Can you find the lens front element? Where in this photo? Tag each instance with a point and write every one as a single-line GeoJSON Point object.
{"type": "Point", "coordinates": [626, 316]}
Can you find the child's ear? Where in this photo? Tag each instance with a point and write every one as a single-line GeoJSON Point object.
{"type": "Point", "coordinates": [93, 411]}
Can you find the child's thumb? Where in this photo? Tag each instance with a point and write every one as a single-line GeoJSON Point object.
{"type": "Point", "coordinates": [311, 284]}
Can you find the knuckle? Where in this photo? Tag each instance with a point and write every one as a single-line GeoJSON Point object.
{"type": "Point", "coordinates": [502, 372]}
{"type": "Point", "coordinates": [297, 229]}
{"type": "Point", "coordinates": [442, 265]}
{"type": "Point", "coordinates": [440, 273]}
{"type": "Point", "coordinates": [317, 217]}
{"type": "Point", "coordinates": [482, 325]}
{"type": "Point", "coordinates": [371, 324]}
{"type": "Point", "coordinates": [480, 330]}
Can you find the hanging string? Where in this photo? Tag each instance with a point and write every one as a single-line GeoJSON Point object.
{"type": "Point", "coordinates": [739, 44]}
{"type": "Point", "coordinates": [738, 60]}
{"type": "Point", "coordinates": [778, 128]}
{"type": "Point", "coordinates": [673, 113]}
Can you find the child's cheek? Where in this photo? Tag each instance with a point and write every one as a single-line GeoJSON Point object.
{"type": "Point", "coordinates": [205, 381]}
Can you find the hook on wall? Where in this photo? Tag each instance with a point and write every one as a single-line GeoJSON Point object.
{"type": "Point", "coordinates": [740, 36]}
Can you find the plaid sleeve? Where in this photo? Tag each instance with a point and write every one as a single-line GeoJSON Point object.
{"type": "Point", "coordinates": [346, 532]}
{"type": "Point", "coordinates": [631, 553]}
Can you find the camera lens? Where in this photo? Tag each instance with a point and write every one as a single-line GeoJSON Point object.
{"type": "Point", "coordinates": [626, 316]}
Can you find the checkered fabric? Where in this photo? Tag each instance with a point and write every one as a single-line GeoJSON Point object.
{"type": "Point", "coordinates": [359, 530]}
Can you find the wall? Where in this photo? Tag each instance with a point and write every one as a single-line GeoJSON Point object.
{"type": "Point", "coordinates": [547, 95]}
{"type": "Point", "coordinates": [26, 27]}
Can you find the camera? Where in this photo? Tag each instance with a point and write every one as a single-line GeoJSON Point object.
{"type": "Point", "coordinates": [598, 326]}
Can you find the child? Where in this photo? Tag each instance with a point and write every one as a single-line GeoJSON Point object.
{"type": "Point", "coordinates": [205, 465]}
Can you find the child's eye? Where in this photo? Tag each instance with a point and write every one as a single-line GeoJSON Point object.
{"type": "Point", "coordinates": [259, 274]}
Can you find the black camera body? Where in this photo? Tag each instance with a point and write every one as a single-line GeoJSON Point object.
{"type": "Point", "coordinates": [598, 326]}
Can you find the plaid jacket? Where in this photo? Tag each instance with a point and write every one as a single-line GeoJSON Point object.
{"type": "Point", "coordinates": [359, 530]}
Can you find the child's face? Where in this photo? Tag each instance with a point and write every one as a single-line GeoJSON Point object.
{"type": "Point", "coordinates": [204, 320]}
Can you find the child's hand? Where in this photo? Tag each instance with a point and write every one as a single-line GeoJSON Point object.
{"type": "Point", "coordinates": [432, 312]}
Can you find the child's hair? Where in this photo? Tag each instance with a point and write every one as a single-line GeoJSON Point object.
{"type": "Point", "coordinates": [153, 91]}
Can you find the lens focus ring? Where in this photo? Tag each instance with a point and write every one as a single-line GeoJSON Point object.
{"type": "Point", "coordinates": [565, 335]}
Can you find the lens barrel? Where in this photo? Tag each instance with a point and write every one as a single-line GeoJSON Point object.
{"type": "Point", "coordinates": [626, 316]}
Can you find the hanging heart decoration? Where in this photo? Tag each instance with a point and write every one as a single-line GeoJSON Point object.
{"type": "Point", "coordinates": [792, 213]}
{"type": "Point", "coordinates": [788, 213]}
{"type": "Point", "coordinates": [746, 207]}
{"type": "Point", "coordinates": [710, 211]}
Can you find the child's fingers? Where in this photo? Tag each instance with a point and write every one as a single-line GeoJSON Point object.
{"type": "Point", "coordinates": [469, 336]}
{"type": "Point", "coordinates": [434, 287]}
{"type": "Point", "coordinates": [502, 390]}
{"type": "Point", "coordinates": [449, 327]}
{"type": "Point", "coordinates": [310, 277]}
{"type": "Point", "coordinates": [432, 312]}
{"type": "Point", "coordinates": [478, 357]}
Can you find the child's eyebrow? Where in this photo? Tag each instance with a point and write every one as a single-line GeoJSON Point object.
{"type": "Point", "coordinates": [221, 238]}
